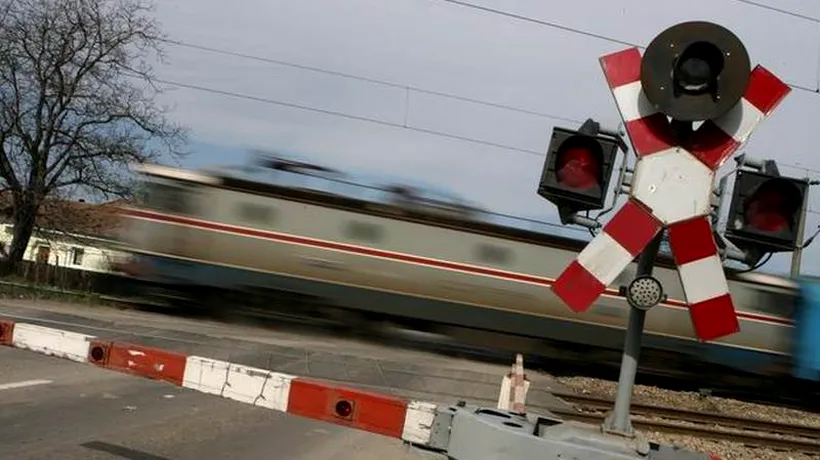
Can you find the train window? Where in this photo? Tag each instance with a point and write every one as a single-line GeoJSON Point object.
{"type": "Point", "coordinates": [168, 198]}
{"type": "Point", "coordinates": [493, 254]}
{"type": "Point", "coordinates": [774, 303]}
{"type": "Point", "coordinates": [141, 194]}
{"type": "Point", "coordinates": [255, 213]}
{"type": "Point", "coordinates": [363, 231]}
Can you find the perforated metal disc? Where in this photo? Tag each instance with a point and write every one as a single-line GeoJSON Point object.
{"type": "Point", "coordinates": [644, 292]}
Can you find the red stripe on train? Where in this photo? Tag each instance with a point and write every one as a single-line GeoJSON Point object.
{"type": "Point", "coordinates": [443, 264]}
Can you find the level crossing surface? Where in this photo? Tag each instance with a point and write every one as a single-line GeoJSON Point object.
{"type": "Point", "coordinates": [81, 403]}
{"type": "Point", "coordinates": [57, 409]}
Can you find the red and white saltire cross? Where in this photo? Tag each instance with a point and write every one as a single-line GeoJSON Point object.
{"type": "Point", "coordinates": [671, 188]}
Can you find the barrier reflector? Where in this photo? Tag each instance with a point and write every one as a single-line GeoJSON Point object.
{"type": "Point", "coordinates": [98, 352]}
{"type": "Point", "coordinates": [358, 409]}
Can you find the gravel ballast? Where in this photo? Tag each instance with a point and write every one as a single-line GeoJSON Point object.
{"type": "Point", "coordinates": [696, 401]}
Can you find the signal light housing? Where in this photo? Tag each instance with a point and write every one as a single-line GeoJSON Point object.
{"type": "Point", "coordinates": [766, 212]}
{"type": "Point", "coordinates": [578, 169]}
{"type": "Point", "coordinates": [695, 71]}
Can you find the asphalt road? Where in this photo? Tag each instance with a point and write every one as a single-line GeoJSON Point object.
{"type": "Point", "coordinates": [54, 409]}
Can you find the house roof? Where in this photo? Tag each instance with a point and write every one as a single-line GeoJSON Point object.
{"type": "Point", "coordinates": [77, 217]}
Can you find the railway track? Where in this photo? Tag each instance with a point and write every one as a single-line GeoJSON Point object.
{"type": "Point", "coordinates": [743, 430]}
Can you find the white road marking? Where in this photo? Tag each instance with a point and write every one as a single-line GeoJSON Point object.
{"type": "Point", "coordinates": [24, 384]}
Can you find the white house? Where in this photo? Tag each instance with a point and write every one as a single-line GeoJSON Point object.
{"type": "Point", "coordinates": [68, 250]}
{"type": "Point", "coordinates": [74, 235]}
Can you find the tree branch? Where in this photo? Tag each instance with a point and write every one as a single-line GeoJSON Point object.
{"type": "Point", "coordinates": [77, 98]}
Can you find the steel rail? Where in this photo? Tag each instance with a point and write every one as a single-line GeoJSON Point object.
{"type": "Point", "coordinates": [704, 432]}
{"type": "Point", "coordinates": [743, 430]}
{"type": "Point", "coordinates": [692, 416]}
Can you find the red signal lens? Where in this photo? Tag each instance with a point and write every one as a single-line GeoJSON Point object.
{"type": "Point", "coordinates": [771, 207]}
{"type": "Point", "coordinates": [344, 408]}
{"type": "Point", "coordinates": [578, 167]}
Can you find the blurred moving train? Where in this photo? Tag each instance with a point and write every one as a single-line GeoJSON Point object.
{"type": "Point", "coordinates": [210, 236]}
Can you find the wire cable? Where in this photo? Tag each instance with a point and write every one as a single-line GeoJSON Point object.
{"type": "Point", "coordinates": [587, 33]}
{"type": "Point", "coordinates": [757, 266]}
{"type": "Point", "coordinates": [236, 95]}
{"type": "Point", "coordinates": [368, 120]}
{"type": "Point", "coordinates": [779, 10]}
{"type": "Point", "coordinates": [387, 83]}
{"type": "Point", "coordinates": [346, 115]}
{"type": "Point", "coordinates": [541, 22]}
{"type": "Point", "coordinates": [374, 81]}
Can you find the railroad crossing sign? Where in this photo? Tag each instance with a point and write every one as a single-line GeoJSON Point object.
{"type": "Point", "coordinates": [691, 72]}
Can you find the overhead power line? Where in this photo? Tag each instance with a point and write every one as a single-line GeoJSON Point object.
{"type": "Point", "coordinates": [349, 116]}
{"type": "Point", "coordinates": [541, 22]}
{"type": "Point", "coordinates": [281, 103]}
{"type": "Point", "coordinates": [779, 10]}
{"type": "Point", "coordinates": [558, 26]}
{"type": "Point", "coordinates": [421, 90]}
{"type": "Point", "coordinates": [376, 81]}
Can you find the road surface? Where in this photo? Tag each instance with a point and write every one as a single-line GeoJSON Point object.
{"type": "Point", "coordinates": [51, 408]}
{"type": "Point", "coordinates": [54, 409]}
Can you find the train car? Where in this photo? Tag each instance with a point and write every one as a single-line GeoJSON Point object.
{"type": "Point", "coordinates": [205, 234]}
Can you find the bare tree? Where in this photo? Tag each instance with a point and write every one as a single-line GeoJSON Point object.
{"type": "Point", "coordinates": [77, 101]}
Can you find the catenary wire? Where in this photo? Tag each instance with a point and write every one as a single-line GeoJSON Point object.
{"type": "Point", "coordinates": [449, 95]}
{"type": "Point", "coordinates": [779, 10]}
{"type": "Point", "coordinates": [370, 120]}
{"type": "Point", "coordinates": [376, 81]}
{"type": "Point", "coordinates": [367, 120]}
{"type": "Point", "coordinates": [350, 116]}
{"type": "Point", "coordinates": [555, 25]}
{"type": "Point", "coordinates": [746, 2]}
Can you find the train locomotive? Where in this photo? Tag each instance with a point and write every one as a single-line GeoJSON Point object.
{"type": "Point", "coordinates": [210, 236]}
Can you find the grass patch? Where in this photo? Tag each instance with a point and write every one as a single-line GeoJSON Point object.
{"type": "Point", "coordinates": [20, 289]}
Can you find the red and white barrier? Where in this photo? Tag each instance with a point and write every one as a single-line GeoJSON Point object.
{"type": "Point", "coordinates": [408, 420]}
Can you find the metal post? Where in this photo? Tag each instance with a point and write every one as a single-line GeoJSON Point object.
{"type": "Point", "coordinates": [618, 420]}
{"type": "Point", "coordinates": [797, 254]}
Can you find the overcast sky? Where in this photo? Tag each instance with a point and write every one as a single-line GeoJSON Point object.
{"type": "Point", "coordinates": [544, 75]}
